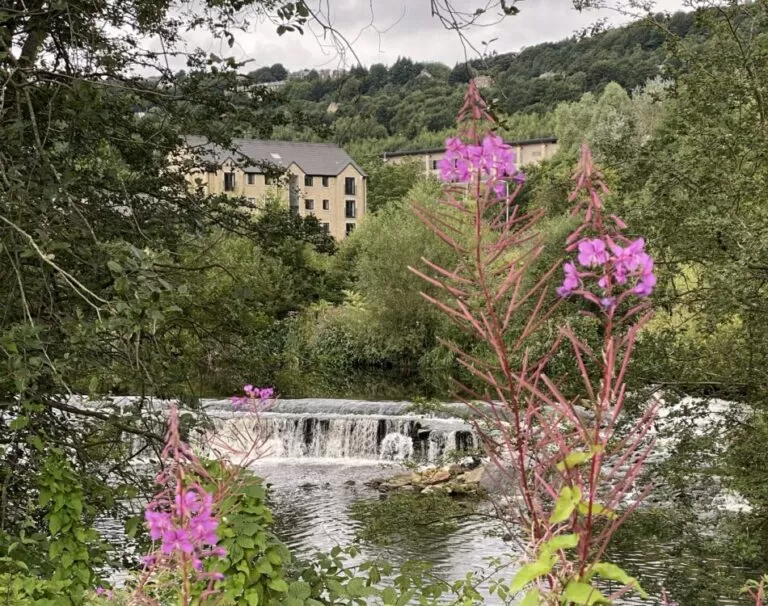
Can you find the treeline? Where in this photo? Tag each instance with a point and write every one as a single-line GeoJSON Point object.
{"type": "Point", "coordinates": [410, 103]}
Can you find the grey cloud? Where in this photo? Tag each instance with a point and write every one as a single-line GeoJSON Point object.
{"type": "Point", "coordinates": [383, 30]}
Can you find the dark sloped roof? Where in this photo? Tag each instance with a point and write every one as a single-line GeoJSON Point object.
{"type": "Point", "coordinates": [324, 159]}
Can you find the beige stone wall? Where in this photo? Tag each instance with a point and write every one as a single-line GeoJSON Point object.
{"type": "Point", "coordinates": [334, 216]}
{"type": "Point", "coordinates": [532, 153]}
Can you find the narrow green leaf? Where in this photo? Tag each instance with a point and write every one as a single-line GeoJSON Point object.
{"type": "Point", "coordinates": [612, 572]}
{"type": "Point", "coordinates": [575, 459]}
{"type": "Point", "coordinates": [563, 541]}
{"type": "Point", "coordinates": [531, 598]}
{"type": "Point", "coordinates": [597, 510]}
{"type": "Point", "coordinates": [566, 504]}
{"type": "Point", "coordinates": [529, 572]}
{"type": "Point", "coordinates": [583, 593]}
{"type": "Point", "coordinates": [114, 266]}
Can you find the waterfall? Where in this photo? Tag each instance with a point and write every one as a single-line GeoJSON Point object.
{"type": "Point", "coordinates": [318, 428]}
{"type": "Point", "coordinates": [344, 436]}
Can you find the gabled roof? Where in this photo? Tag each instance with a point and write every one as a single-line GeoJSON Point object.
{"type": "Point", "coordinates": [322, 159]}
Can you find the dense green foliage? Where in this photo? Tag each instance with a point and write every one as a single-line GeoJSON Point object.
{"type": "Point", "coordinates": [411, 105]}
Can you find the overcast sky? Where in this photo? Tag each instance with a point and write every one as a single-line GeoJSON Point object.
{"type": "Point", "coordinates": [380, 31]}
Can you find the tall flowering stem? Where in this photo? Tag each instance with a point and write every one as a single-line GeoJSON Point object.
{"type": "Point", "coordinates": [182, 520]}
{"type": "Point", "coordinates": [572, 460]}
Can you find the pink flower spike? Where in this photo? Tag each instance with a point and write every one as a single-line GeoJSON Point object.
{"type": "Point", "coordinates": [571, 281]}
{"type": "Point", "coordinates": [592, 253]}
{"type": "Point", "coordinates": [100, 591]}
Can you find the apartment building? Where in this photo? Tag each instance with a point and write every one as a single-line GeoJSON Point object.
{"type": "Point", "coordinates": [320, 179]}
{"type": "Point", "coordinates": [529, 151]}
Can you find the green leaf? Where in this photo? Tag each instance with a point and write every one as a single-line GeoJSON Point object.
{"type": "Point", "coordinates": [278, 585]}
{"type": "Point", "coordinates": [252, 597]}
{"type": "Point", "coordinates": [563, 541]}
{"type": "Point", "coordinates": [531, 571]}
{"type": "Point", "coordinates": [19, 423]}
{"type": "Point", "coordinates": [597, 510]}
{"type": "Point", "coordinates": [575, 459]}
{"type": "Point", "coordinates": [114, 266]}
{"type": "Point", "coordinates": [300, 590]}
{"type": "Point", "coordinates": [612, 572]}
{"type": "Point", "coordinates": [356, 588]}
{"type": "Point", "coordinates": [531, 598]}
{"type": "Point", "coordinates": [245, 542]}
{"type": "Point", "coordinates": [389, 596]}
{"type": "Point", "coordinates": [36, 442]}
{"type": "Point", "coordinates": [566, 503]}
{"type": "Point", "coordinates": [583, 593]}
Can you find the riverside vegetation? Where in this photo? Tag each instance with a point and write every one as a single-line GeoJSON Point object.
{"type": "Point", "coordinates": [118, 279]}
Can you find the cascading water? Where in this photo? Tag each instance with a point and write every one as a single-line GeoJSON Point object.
{"type": "Point", "coordinates": [325, 429]}
{"type": "Point", "coordinates": [324, 434]}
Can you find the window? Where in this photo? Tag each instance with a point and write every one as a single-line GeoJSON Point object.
{"type": "Point", "coordinates": [251, 201]}
{"type": "Point", "coordinates": [349, 186]}
{"type": "Point", "coordinates": [325, 181]}
{"type": "Point", "coordinates": [326, 205]}
{"type": "Point", "coordinates": [434, 164]}
{"type": "Point", "coordinates": [309, 204]}
{"type": "Point", "coordinates": [326, 227]}
{"type": "Point", "coordinates": [251, 179]}
{"type": "Point", "coordinates": [350, 228]}
{"type": "Point", "coordinates": [269, 180]}
{"type": "Point", "coordinates": [308, 180]}
{"type": "Point", "coordinates": [229, 181]}
{"type": "Point", "coordinates": [350, 210]}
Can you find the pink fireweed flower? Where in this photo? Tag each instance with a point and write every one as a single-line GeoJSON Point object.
{"type": "Point", "coordinates": [252, 393]}
{"type": "Point", "coordinates": [177, 539]}
{"type": "Point", "coordinates": [202, 529]}
{"type": "Point", "coordinates": [620, 264]}
{"type": "Point", "coordinates": [158, 522]}
{"type": "Point", "coordinates": [571, 281]}
{"type": "Point", "coordinates": [647, 280]}
{"type": "Point", "coordinates": [592, 253]}
{"type": "Point", "coordinates": [454, 166]}
{"type": "Point", "coordinates": [493, 160]}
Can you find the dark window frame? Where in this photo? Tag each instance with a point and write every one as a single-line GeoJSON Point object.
{"type": "Point", "coordinates": [353, 213]}
{"type": "Point", "coordinates": [309, 181]}
{"type": "Point", "coordinates": [350, 191]}
{"type": "Point", "coordinates": [230, 182]}
{"type": "Point", "coordinates": [326, 205]}
{"type": "Point", "coordinates": [326, 180]}
{"type": "Point", "coordinates": [309, 204]}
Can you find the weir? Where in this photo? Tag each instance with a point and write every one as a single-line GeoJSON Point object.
{"type": "Point", "coordinates": [330, 428]}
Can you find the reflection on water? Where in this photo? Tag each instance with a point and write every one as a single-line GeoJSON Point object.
{"type": "Point", "coordinates": [311, 500]}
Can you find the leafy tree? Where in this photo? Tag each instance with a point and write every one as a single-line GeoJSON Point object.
{"type": "Point", "coordinates": [460, 74]}
{"type": "Point", "coordinates": [100, 230]}
{"type": "Point", "coordinates": [389, 183]}
{"type": "Point", "coordinates": [279, 72]}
